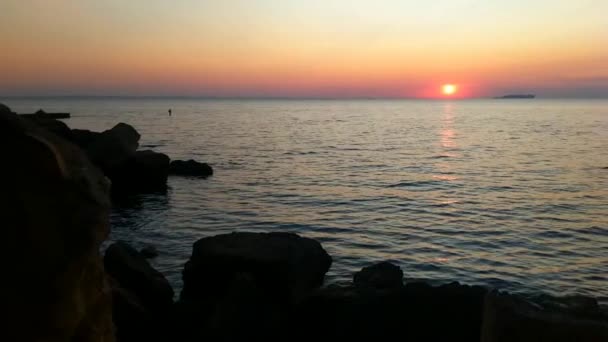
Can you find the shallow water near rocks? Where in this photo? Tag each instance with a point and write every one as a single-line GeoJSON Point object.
{"type": "Point", "coordinates": [506, 193]}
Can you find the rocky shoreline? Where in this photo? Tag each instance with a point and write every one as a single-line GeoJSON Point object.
{"type": "Point", "coordinates": [56, 202]}
{"type": "Point", "coordinates": [116, 153]}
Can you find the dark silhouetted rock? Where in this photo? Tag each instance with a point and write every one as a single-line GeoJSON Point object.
{"type": "Point", "coordinates": [283, 263]}
{"type": "Point", "coordinates": [144, 171]}
{"type": "Point", "coordinates": [55, 214]}
{"type": "Point", "coordinates": [114, 147]}
{"type": "Point", "coordinates": [190, 168]}
{"type": "Point", "coordinates": [142, 297]}
{"type": "Point", "coordinates": [133, 272]}
{"type": "Point", "coordinates": [509, 318]}
{"type": "Point", "coordinates": [84, 138]}
{"type": "Point", "coordinates": [579, 306]}
{"type": "Point", "coordinates": [416, 312]}
{"type": "Point", "coordinates": [4, 109]}
{"type": "Point", "coordinates": [242, 285]}
{"type": "Point", "coordinates": [380, 276]}
{"type": "Point", "coordinates": [149, 251]}
{"type": "Point", "coordinates": [53, 125]}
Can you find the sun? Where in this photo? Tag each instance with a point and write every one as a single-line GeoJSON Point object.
{"type": "Point", "coordinates": [449, 89]}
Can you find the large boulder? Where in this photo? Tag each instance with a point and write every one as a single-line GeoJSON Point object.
{"type": "Point", "coordinates": [190, 168]}
{"type": "Point", "coordinates": [141, 295]}
{"type": "Point", "coordinates": [241, 286]}
{"type": "Point", "coordinates": [55, 214]}
{"type": "Point", "coordinates": [282, 263]}
{"type": "Point", "coordinates": [508, 318]}
{"type": "Point", "coordinates": [381, 276]}
{"type": "Point", "coordinates": [144, 171]}
{"type": "Point", "coordinates": [114, 147]}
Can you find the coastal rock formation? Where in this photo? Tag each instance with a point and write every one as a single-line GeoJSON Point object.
{"type": "Point", "coordinates": [190, 168]}
{"type": "Point", "coordinates": [55, 214]}
{"type": "Point", "coordinates": [509, 318]}
{"type": "Point", "coordinates": [381, 276]}
{"type": "Point", "coordinates": [57, 127]}
{"type": "Point", "coordinates": [114, 147]}
{"type": "Point", "coordinates": [83, 137]}
{"type": "Point", "coordinates": [415, 312]}
{"type": "Point", "coordinates": [283, 263]}
{"type": "Point", "coordinates": [115, 152]}
{"type": "Point", "coordinates": [143, 171]}
{"type": "Point", "coordinates": [133, 272]}
{"type": "Point", "coordinates": [242, 285]}
{"type": "Point", "coordinates": [141, 295]}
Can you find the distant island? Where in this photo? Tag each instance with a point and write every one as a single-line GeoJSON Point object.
{"type": "Point", "coordinates": [516, 96]}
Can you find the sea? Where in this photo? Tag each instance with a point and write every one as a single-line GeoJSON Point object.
{"type": "Point", "coordinates": [511, 194]}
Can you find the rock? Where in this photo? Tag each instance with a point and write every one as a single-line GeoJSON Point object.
{"type": "Point", "coordinates": [132, 321]}
{"type": "Point", "coordinates": [84, 138]}
{"type": "Point", "coordinates": [53, 125]}
{"type": "Point", "coordinates": [242, 285]}
{"type": "Point", "coordinates": [149, 252]}
{"type": "Point", "coordinates": [416, 312]}
{"type": "Point", "coordinates": [144, 171]}
{"type": "Point", "coordinates": [141, 295]}
{"type": "Point", "coordinates": [579, 306]}
{"type": "Point", "coordinates": [114, 147]}
{"type": "Point", "coordinates": [55, 214]}
{"type": "Point", "coordinates": [133, 272]}
{"type": "Point", "coordinates": [190, 168]}
{"type": "Point", "coordinates": [4, 109]}
{"type": "Point", "coordinates": [381, 276]}
{"type": "Point", "coordinates": [281, 263]}
{"type": "Point", "coordinates": [508, 318]}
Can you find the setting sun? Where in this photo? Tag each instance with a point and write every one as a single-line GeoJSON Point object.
{"type": "Point", "coordinates": [449, 89]}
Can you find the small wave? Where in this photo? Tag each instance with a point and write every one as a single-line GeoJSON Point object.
{"type": "Point", "coordinates": [294, 153]}
{"type": "Point", "coordinates": [415, 184]}
{"type": "Point", "coordinates": [554, 234]}
{"type": "Point", "coordinates": [499, 188]}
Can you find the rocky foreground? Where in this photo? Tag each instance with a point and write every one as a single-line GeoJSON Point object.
{"type": "Point", "coordinates": [55, 206]}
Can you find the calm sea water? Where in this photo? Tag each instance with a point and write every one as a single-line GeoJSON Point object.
{"type": "Point", "coordinates": [512, 194]}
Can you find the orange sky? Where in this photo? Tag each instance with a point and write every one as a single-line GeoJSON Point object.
{"type": "Point", "coordinates": [315, 48]}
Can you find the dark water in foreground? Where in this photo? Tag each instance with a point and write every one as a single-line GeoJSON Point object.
{"type": "Point", "coordinates": [512, 194]}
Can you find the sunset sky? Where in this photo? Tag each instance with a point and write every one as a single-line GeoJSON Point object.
{"type": "Point", "coordinates": [313, 48]}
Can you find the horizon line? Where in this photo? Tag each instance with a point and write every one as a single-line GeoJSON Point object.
{"type": "Point", "coordinates": [207, 97]}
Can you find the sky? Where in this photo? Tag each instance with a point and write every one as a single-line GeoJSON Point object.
{"type": "Point", "coordinates": [308, 48]}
